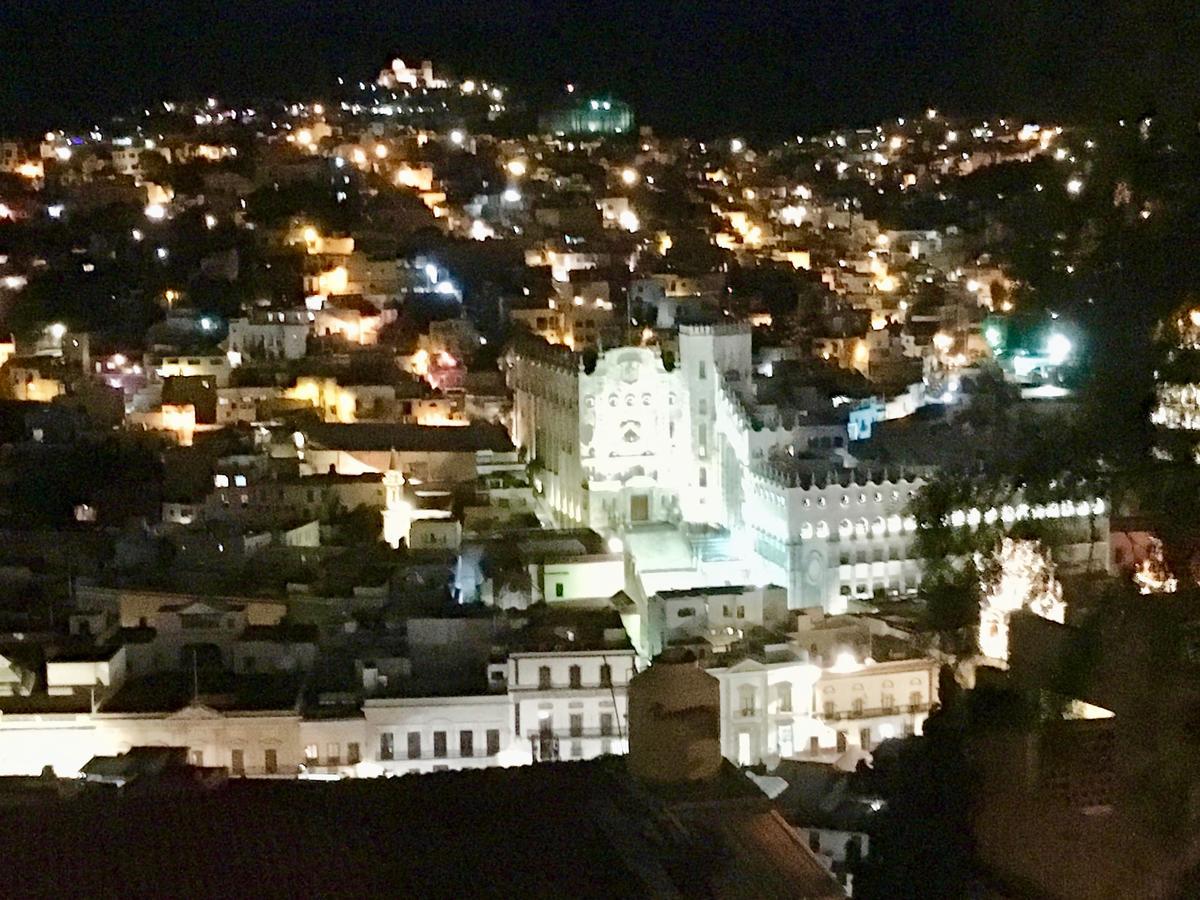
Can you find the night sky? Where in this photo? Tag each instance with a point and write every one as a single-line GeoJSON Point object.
{"type": "Point", "coordinates": [693, 66]}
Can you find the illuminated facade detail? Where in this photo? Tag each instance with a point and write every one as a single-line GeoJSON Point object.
{"type": "Point", "coordinates": [1152, 575]}
{"type": "Point", "coordinates": [1021, 576]}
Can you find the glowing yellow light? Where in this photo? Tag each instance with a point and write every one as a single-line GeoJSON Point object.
{"type": "Point", "coordinates": [664, 243]}
{"type": "Point", "coordinates": [896, 143]}
{"type": "Point", "coordinates": [304, 136]}
{"type": "Point", "coordinates": [647, 335]}
{"type": "Point", "coordinates": [381, 151]}
{"type": "Point", "coordinates": [360, 156]}
{"type": "Point", "coordinates": [629, 176]}
{"type": "Point", "coordinates": [628, 220]}
{"type": "Point", "coordinates": [310, 235]}
{"type": "Point", "coordinates": [516, 167]}
{"type": "Point", "coordinates": [156, 212]}
{"type": "Point", "coordinates": [420, 363]}
{"type": "Point", "coordinates": [30, 170]}
{"type": "Point", "coordinates": [1022, 578]}
{"type": "Point", "coordinates": [943, 341]}
{"type": "Point", "coordinates": [468, 87]}
{"type": "Point", "coordinates": [318, 109]}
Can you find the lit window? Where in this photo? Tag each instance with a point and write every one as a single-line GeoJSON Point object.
{"type": "Point", "coordinates": [221, 481]}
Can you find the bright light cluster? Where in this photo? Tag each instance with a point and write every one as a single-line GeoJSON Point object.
{"type": "Point", "coordinates": [1023, 511]}
{"type": "Point", "coordinates": [1178, 407]}
{"type": "Point", "coordinates": [1152, 575]}
{"type": "Point", "coordinates": [1021, 577]}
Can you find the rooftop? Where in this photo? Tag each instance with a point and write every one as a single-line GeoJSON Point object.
{"type": "Point", "coordinates": [563, 829]}
{"type": "Point", "coordinates": [375, 437]}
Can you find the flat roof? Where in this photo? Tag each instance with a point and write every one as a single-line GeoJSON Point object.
{"type": "Point", "coordinates": [373, 436]}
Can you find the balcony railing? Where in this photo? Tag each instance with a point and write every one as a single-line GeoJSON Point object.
{"type": "Point", "coordinates": [567, 735]}
{"type": "Point", "coordinates": [875, 712]}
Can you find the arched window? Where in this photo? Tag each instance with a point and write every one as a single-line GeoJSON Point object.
{"type": "Point", "coordinates": [783, 697]}
{"type": "Point", "coordinates": [748, 700]}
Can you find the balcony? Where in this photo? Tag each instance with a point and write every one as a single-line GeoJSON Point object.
{"type": "Point", "coordinates": [547, 748]}
{"type": "Point", "coordinates": [875, 712]}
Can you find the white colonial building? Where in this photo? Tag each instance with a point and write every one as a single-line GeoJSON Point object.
{"type": "Point", "coordinates": [570, 704]}
{"type": "Point", "coordinates": [635, 440]}
{"type": "Point", "coordinates": [785, 707]}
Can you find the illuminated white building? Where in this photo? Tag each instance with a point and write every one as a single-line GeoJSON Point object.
{"type": "Point", "coordinates": [784, 706]}
{"type": "Point", "coordinates": [276, 334]}
{"type": "Point", "coordinates": [400, 75]}
{"type": "Point", "coordinates": [570, 704]}
{"type": "Point", "coordinates": [633, 441]}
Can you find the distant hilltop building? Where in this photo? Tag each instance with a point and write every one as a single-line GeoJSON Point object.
{"type": "Point", "coordinates": [595, 115]}
{"type": "Point", "coordinates": [400, 75]}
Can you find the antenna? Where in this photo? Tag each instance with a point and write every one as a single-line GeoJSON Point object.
{"type": "Point", "coordinates": [195, 677]}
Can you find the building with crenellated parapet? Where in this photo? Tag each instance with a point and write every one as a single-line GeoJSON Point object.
{"type": "Point", "coordinates": [635, 438]}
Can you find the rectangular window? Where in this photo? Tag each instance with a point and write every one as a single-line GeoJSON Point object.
{"type": "Point", "coordinates": [387, 745]}
{"type": "Point", "coordinates": [606, 724]}
{"type": "Point", "coordinates": [576, 725]}
{"type": "Point", "coordinates": [606, 675]}
{"type": "Point", "coordinates": [576, 677]}
{"type": "Point", "coordinates": [543, 677]}
{"type": "Point", "coordinates": [466, 743]}
{"type": "Point", "coordinates": [701, 370]}
{"type": "Point", "coordinates": [270, 761]}
{"type": "Point", "coordinates": [558, 589]}
{"type": "Point", "coordinates": [311, 753]}
{"type": "Point", "coordinates": [493, 741]}
{"type": "Point", "coordinates": [814, 745]}
{"type": "Point", "coordinates": [414, 745]}
{"type": "Point", "coordinates": [353, 753]}
{"type": "Point", "coordinates": [888, 703]}
{"type": "Point", "coordinates": [333, 754]}
{"type": "Point", "coordinates": [829, 709]}
{"type": "Point", "coordinates": [915, 699]}
{"type": "Point", "coordinates": [864, 738]}
{"type": "Point", "coordinates": [439, 744]}
{"type": "Point", "coordinates": [237, 761]}
{"type": "Point", "coordinates": [741, 612]}
{"type": "Point", "coordinates": [576, 749]}
{"type": "Point", "coordinates": [703, 481]}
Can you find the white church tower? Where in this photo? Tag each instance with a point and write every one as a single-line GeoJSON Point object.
{"type": "Point", "coordinates": [397, 513]}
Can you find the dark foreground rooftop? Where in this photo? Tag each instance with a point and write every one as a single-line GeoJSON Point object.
{"type": "Point", "coordinates": [559, 830]}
